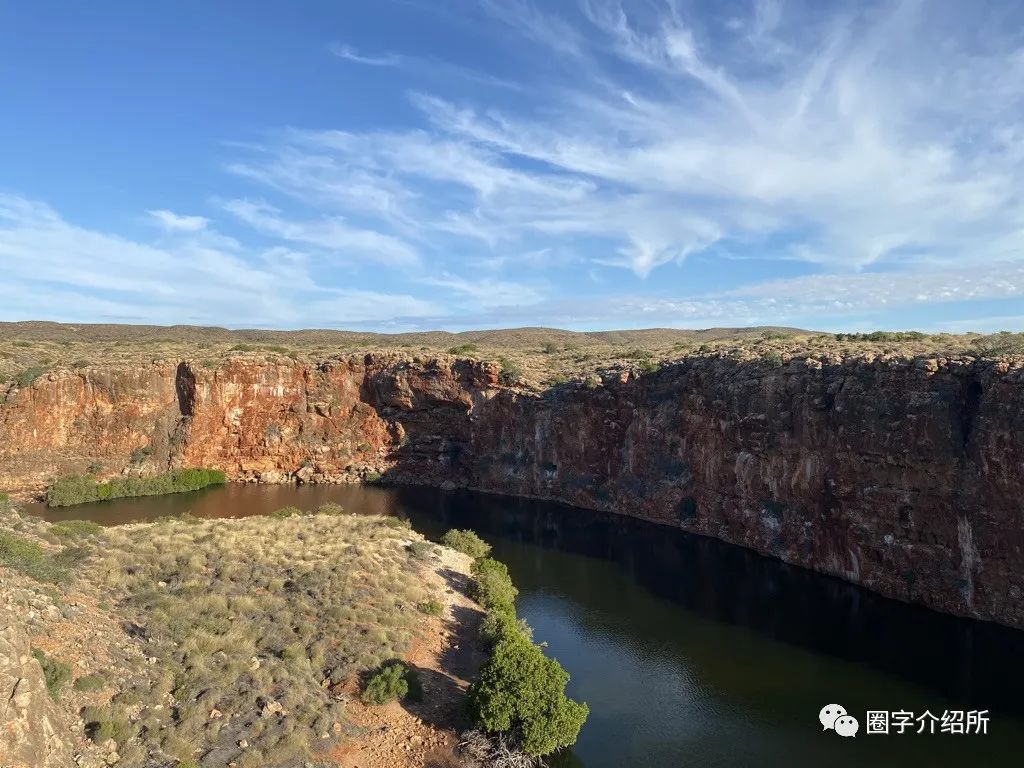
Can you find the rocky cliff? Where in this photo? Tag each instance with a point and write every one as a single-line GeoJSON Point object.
{"type": "Point", "coordinates": [903, 475]}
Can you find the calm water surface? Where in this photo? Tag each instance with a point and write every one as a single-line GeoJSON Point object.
{"type": "Point", "coordinates": [691, 652]}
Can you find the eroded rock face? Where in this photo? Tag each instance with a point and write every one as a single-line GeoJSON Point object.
{"type": "Point", "coordinates": [33, 733]}
{"type": "Point", "coordinates": [904, 476]}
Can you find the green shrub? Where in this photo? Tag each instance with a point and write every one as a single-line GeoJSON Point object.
{"type": "Point", "coordinates": [371, 477]}
{"type": "Point", "coordinates": [80, 489]}
{"type": "Point", "coordinates": [24, 556]}
{"type": "Point", "coordinates": [388, 683]}
{"type": "Point", "coordinates": [76, 528]}
{"type": "Point", "coordinates": [772, 359]}
{"type": "Point", "coordinates": [431, 607]}
{"type": "Point", "coordinates": [285, 512]}
{"type": "Point", "coordinates": [94, 468]}
{"type": "Point", "coordinates": [56, 673]}
{"type": "Point", "coordinates": [29, 558]}
{"type": "Point", "coordinates": [463, 349]}
{"type": "Point", "coordinates": [492, 586]}
{"type": "Point", "coordinates": [29, 375]}
{"type": "Point", "coordinates": [72, 489]}
{"type": "Point", "coordinates": [521, 692]}
{"type": "Point", "coordinates": [549, 348]}
{"type": "Point", "coordinates": [510, 372]}
{"type": "Point", "coordinates": [140, 454]}
{"type": "Point", "coordinates": [118, 729]}
{"type": "Point", "coordinates": [4, 498]}
{"type": "Point", "coordinates": [498, 623]}
{"type": "Point", "coordinates": [330, 508]}
{"type": "Point", "coordinates": [89, 683]}
{"type": "Point", "coordinates": [467, 542]}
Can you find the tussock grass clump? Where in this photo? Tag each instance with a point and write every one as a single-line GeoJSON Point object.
{"type": "Point", "coordinates": [431, 607]}
{"type": "Point", "coordinates": [28, 557]}
{"type": "Point", "coordinates": [56, 673]}
{"type": "Point", "coordinates": [467, 542]}
{"type": "Point", "coordinates": [75, 529]}
{"type": "Point", "coordinates": [81, 489]}
{"type": "Point", "coordinates": [88, 683]}
{"type": "Point", "coordinates": [259, 620]}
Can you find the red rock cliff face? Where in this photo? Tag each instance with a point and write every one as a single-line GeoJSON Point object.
{"type": "Point", "coordinates": [903, 476]}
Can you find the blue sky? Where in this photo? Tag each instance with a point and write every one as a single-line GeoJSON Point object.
{"type": "Point", "coordinates": [414, 164]}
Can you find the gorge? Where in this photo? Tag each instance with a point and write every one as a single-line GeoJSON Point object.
{"type": "Point", "coordinates": [901, 474]}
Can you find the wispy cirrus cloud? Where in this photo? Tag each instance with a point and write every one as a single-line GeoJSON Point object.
{"type": "Point", "coordinates": [842, 147]}
{"type": "Point", "coordinates": [382, 60]}
{"type": "Point", "coordinates": [174, 222]}
{"type": "Point", "coordinates": [331, 234]}
{"type": "Point", "coordinates": [871, 154]}
{"type": "Point", "coordinates": [197, 278]}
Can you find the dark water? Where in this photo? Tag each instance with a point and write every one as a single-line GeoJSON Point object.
{"type": "Point", "coordinates": [692, 652]}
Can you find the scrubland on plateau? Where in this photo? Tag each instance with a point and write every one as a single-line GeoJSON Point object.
{"type": "Point", "coordinates": [532, 358]}
{"type": "Point", "coordinates": [216, 642]}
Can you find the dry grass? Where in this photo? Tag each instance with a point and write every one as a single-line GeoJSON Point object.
{"type": "Point", "coordinates": [253, 625]}
{"type": "Point", "coordinates": [249, 630]}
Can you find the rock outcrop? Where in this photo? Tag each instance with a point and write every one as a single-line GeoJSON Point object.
{"type": "Point", "coordinates": [902, 475]}
{"type": "Point", "coordinates": [33, 733]}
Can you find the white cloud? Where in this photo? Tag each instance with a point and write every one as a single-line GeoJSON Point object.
{"type": "Point", "coordinates": [841, 144]}
{"type": "Point", "coordinates": [487, 292]}
{"type": "Point", "coordinates": [172, 222]}
{"type": "Point", "coordinates": [350, 54]}
{"type": "Point", "coordinates": [96, 276]}
{"type": "Point", "coordinates": [330, 233]}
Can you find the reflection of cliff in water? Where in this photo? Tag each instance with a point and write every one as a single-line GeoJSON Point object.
{"type": "Point", "coordinates": [974, 662]}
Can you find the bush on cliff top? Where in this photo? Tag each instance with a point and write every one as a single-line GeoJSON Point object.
{"type": "Point", "coordinates": [79, 489]}
{"type": "Point", "coordinates": [521, 692]}
{"type": "Point", "coordinates": [467, 542]}
{"type": "Point", "coordinates": [492, 586]}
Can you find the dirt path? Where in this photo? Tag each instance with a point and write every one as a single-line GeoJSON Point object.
{"type": "Point", "coordinates": [445, 655]}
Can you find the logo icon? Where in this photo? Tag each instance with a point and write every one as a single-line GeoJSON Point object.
{"type": "Point", "coordinates": [834, 716]}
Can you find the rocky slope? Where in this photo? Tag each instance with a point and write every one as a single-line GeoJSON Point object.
{"type": "Point", "coordinates": [33, 733]}
{"type": "Point", "coordinates": [900, 474]}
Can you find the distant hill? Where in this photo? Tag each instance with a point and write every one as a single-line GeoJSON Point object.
{"type": "Point", "coordinates": [512, 338]}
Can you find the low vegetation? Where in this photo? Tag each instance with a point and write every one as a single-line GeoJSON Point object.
{"type": "Point", "coordinates": [254, 626]}
{"type": "Point", "coordinates": [81, 489]}
{"type": "Point", "coordinates": [30, 558]}
{"type": "Point", "coordinates": [467, 542]}
{"type": "Point", "coordinates": [56, 673]}
{"type": "Point", "coordinates": [529, 358]}
{"type": "Point", "coordinates": [519, 698]}
{"type": "Point", "coordinates": [88, 683]}
{"type": "Point", "coordinates": [521, 692]}
{"type": "Point", "coordinates": [393, 681]}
